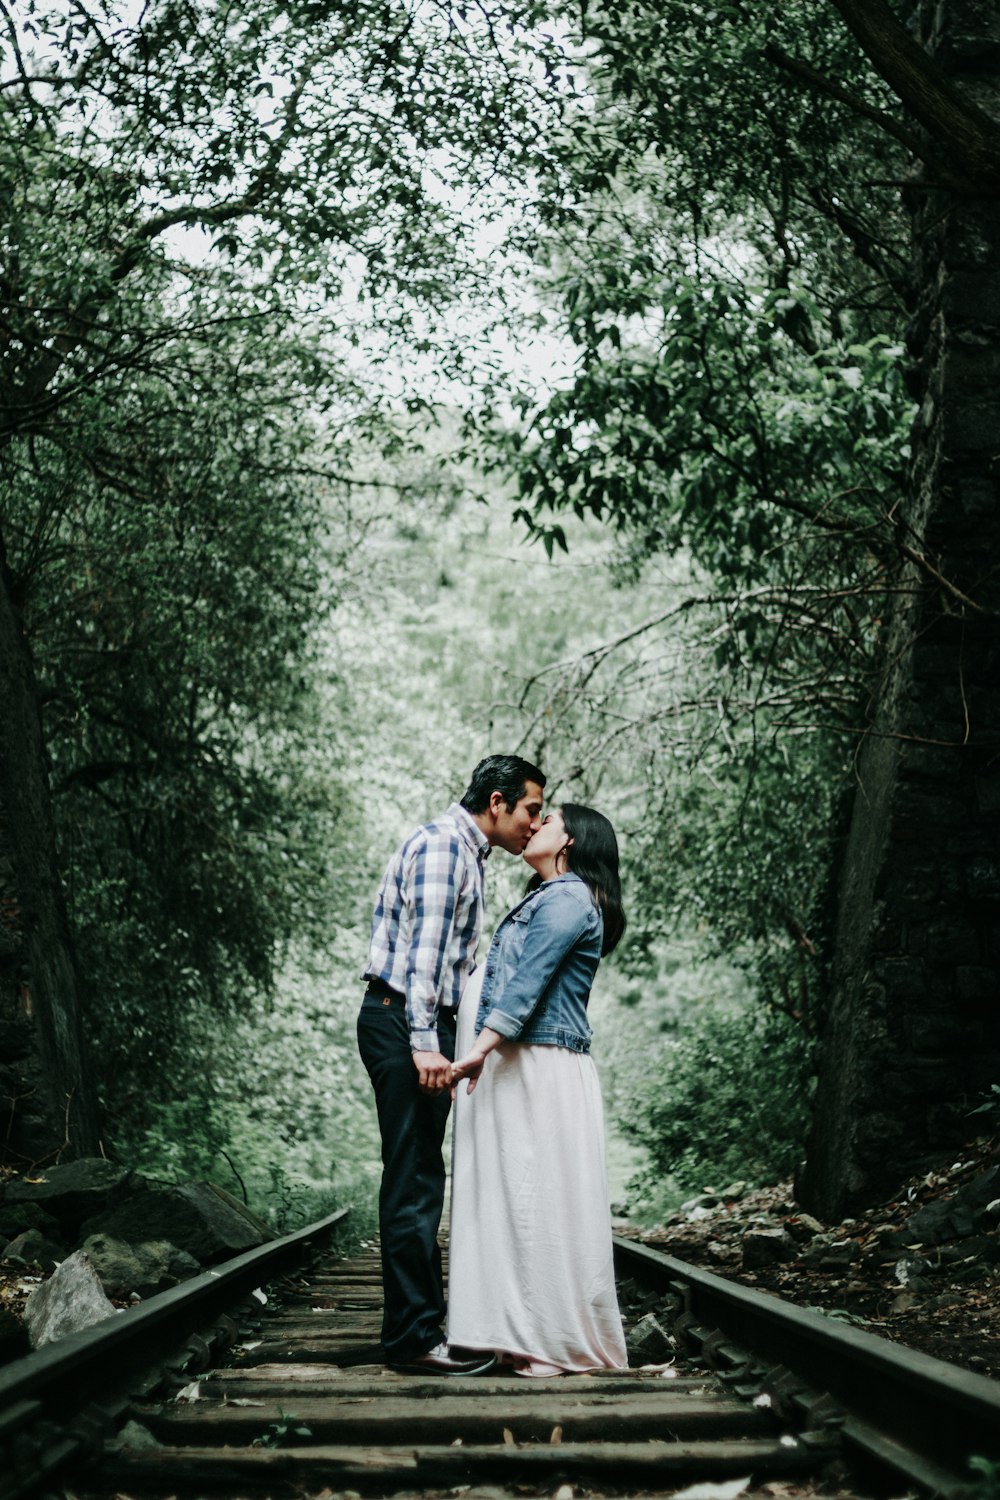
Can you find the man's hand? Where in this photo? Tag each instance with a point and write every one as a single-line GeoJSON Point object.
{"type": "Point", "coordinates": [434, 1070]}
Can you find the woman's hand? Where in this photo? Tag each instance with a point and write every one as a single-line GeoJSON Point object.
{"type": "Point", "coordinates": [471, 1066]}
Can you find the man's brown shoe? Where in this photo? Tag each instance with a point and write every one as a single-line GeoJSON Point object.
{"type": "Point", "coordinates": [441, 1361]}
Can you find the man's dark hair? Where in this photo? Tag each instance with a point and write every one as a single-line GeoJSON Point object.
{"type": "Point", "coordinates": [505, 774]}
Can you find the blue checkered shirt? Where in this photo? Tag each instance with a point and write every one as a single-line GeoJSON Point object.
{"type": "Point", "coordinates": [427, 920]}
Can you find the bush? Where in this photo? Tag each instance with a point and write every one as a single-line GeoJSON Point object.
{"type": "Point", "coordinates": [728, 1099]}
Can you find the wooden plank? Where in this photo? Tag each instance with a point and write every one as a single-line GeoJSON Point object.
{"type": "Point", "coordinates": [312, 1350]}
{"type": "Point", "coordinates": [319, 1380]}
{"type": "Point", "coordinates": [653, 1466]}
{"type": "Point", "coordinates": [447, 1418]}
{"type": "Point", "coordinates": [325, 1321]}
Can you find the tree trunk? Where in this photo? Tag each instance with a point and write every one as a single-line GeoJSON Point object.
{"type": "Point", "coordinates": [45, 1094]}
{"type": "Point", "coordinates": [914, 1029]}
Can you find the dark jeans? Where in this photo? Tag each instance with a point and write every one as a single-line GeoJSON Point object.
{"type": "Point", "coordinates": [413, 1176]}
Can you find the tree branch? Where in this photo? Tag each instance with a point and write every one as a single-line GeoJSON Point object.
{"type": "Point", "coordinates": [806, 73]}
{"type": "Point", "coordinates": [968, 135]}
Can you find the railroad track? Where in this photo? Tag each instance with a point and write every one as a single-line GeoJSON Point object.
{"type": "Point", "coordinates": [761, 1392]}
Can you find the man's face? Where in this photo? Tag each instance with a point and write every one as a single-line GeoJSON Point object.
{"type": "Point", "coordinates": [513, 829]}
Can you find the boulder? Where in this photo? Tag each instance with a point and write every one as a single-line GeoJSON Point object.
{"type": "Point", "coordinates": [74, 1190]}
{"type": "Point", "coordinates": [71, 1299]}
{"type": "Point", "coordinates": [15, 1218]}
{"type": "Point", "coordinates": [149, 1267]}
{"type": "Point", "coordinates": [649, 1343]}
{"type": "Point", "coordinates": [766, 1247]}
{"type": "Point", "coordinates": [35, 1249]}
{"type": "Point", "coordinates": [197, 1217]}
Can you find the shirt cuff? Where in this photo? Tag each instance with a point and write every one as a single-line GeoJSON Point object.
{"type": "Point", "coordinates": [506, 1025]}
{"type": "Point", "coordinates": [424, 1041]}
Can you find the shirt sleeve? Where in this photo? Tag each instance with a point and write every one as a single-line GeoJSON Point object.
{"type": "Point", "coordinates": [555, 925]}
{"type": "Point", "coordinates": [433, 875]}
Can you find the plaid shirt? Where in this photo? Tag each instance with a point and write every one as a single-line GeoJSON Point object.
{"type": "Point", "coordinates": [427, 920]}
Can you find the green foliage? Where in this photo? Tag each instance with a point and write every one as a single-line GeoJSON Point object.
{"type": "Point", "coordinates": [731, 280]}
{"type": "Point", "coordinates": [725, 1099]}
{"type": "Point", "coordinates": [215, 219]}
{"type": "Point", "coordinates": [271, 627]}
{"type": "Point", "coordinates": [986, 1485]}
{"type": "Point", "coordinates": [990, 1106]}
{"type": "Point", "coordinates": [278, 1434]}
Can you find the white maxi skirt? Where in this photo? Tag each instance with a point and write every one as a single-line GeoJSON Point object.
{"type": "Point", "coordinates": [530, 1267]}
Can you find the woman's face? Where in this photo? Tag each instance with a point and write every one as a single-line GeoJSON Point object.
{"type": "Point", "coordinates": [544, 848]}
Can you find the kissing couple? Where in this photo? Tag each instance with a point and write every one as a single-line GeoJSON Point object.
{"type": "Point", "coordinates": [531, 1275]}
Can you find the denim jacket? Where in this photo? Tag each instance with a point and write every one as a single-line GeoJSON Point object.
{"type": "Point", "coordinates": [541, 965]}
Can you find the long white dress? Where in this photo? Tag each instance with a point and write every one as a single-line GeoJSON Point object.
{"type": "Point", "coordinates": [530, 1267]}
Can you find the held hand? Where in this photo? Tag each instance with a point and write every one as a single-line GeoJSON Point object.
{"type": "Point", "coordinates": [434, 1071]}
{"type": "Point", "coordinates": [469, 1067]}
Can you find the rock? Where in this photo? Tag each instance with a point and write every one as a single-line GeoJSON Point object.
{"type": "Point", "coordinates": [891, 1238]}
{"type": "Point", "coordinates": [134, 1436]}
{"type": "Point", "coordinates": [149, 1267]}
{"type": "Point", "coordinates": [723, 1254]}
{"type": "Point", "coordinates": [981, 1190]}
{"type": "Point", "coordinates": [955, 1217]}
{"type": "Point", "coordinates": [766, 1247]}
{"type": "Point", "coordinates": [981, 1247]}
{"type": "Point", "coordinates": [911, 1269]}
{"type": "Point", "coordinates": [803, 1227]}
{"type": "Point", "coordinates": [827, 1254]}
{"type": "Point", "coordinates": [707, 1199]}
{"type": "Point", "coordinates": [649, 1343]}
{"type": "Point", "coordinates": [13, 1336]}
{"type": "Point", "coordinates": [34, 1249]}
{"type": "Point", "coordinates": [16, 1218]}
{"type": "Point", "coordinates": [75, 1190]}
{"type": "Point", "coordinates": [198, 1217]}
{"type": "Point", "coordinates": [733, 1193]}
{"type": "Point", "coordinates": [71, 1299]}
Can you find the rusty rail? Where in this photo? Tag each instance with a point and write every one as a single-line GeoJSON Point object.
{"type": "Point", "coordinates": [312, 1405]}
{"type": "Point", "coordinates": [58, 1404]}
{"type": "Point", "coordinates": [897, 1410]}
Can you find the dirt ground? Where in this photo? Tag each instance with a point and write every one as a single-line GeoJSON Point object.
{"type": "Point", "coordinates": [876, 1271]}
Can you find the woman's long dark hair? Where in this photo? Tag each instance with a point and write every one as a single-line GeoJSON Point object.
{"type": "Point", "coordinates": [593, 855]}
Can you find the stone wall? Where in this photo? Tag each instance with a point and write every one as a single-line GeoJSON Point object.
{"type": "Point", "coordinates": [914, 1030]}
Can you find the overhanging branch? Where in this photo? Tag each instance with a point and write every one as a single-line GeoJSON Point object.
{"type": "Point", "coordinates": [968, 136]}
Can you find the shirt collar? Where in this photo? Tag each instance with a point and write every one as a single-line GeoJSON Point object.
{"type": "Point", "coordinates": [470, 829]}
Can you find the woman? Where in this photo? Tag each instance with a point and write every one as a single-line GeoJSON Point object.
{"type": "Point", "coordinates": [530, 1265]}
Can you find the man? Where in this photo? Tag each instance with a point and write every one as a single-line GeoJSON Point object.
{"type": "Point", "coordinates": [426, 925]}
